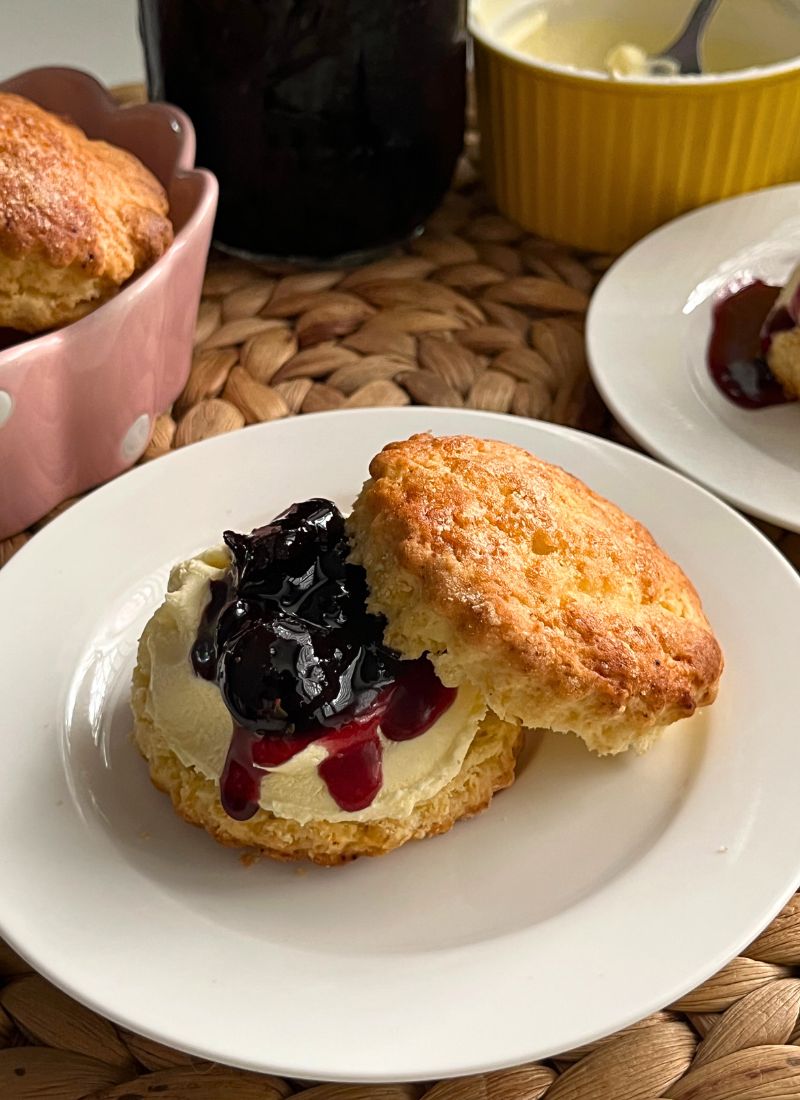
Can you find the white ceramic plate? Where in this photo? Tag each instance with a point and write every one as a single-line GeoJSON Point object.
{"type": "Point", "coordinates": [648, 330]}
{"type": "Point", "coordinates": [592, 892]}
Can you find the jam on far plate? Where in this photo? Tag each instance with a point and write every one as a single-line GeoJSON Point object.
{"type": "Point", "coordinates": [736, 351]}
{"type": "Point", "coordinates": [298, 659]}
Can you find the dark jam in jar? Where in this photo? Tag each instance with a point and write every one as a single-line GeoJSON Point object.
{"type": "Point", "coordinates": [298, 659]}
{"type": "Point", "coordinates": [738, 344]}
{"type": "Point", "coordinates": [333, 126]}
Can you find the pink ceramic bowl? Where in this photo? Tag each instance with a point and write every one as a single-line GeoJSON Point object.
{"type": "Point", "coordinates": [77, 405]}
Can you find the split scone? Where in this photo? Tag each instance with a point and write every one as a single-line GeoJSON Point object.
{"type": "Point", "coordinates": [323, 689]}
{"type": "Point", "coordinates": [79, 218]}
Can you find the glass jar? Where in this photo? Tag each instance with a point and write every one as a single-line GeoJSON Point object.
{"type": "Point", "coordinates": [333, 126]}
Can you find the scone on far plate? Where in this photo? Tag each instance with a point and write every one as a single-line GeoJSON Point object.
{"type": "Point", "coordinates": [781, 336]}
{"type": "Point", "coordinates": [518, 579]}
{"type": "Point", "coordinates": [79, 218]}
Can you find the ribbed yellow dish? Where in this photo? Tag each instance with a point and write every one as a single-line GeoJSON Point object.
{"type": "Point", "coordinates": [598, 163]}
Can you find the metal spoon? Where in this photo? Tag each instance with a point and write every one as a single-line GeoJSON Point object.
{"type": "Point", "coordinates": [684, 52]}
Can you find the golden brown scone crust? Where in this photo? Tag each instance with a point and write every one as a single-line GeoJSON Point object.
{"type": "Point", "coordinates": [784, 360]}
{"type": "Point", "coordinates": [488, 767]}
{"type": "Point", "coordinates": [517, 578]}
{"type": "Point", "coordinates": [77, 218]}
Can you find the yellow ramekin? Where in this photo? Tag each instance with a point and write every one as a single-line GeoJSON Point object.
{"type": "Point", "coordinates": [597, 163]}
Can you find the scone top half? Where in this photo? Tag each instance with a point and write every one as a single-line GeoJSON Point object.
{"type": "Point", "coordinates": [517, 578]}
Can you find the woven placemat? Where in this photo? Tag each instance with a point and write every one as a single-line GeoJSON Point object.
{"type": "Point", "coordinates": [478, 314]}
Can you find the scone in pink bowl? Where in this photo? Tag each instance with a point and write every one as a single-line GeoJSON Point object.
{"type": "Point", "coordinates": [77, 405]}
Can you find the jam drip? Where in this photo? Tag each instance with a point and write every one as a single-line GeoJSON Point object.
{"type": "Point", "coordinates": [352, 770]}
{"type": "Point", "coordinates": [204, 650]}
{"type": "Point", "coordinates": [740, 338]}
{"type": "Point", "coordinates": [287, 637]}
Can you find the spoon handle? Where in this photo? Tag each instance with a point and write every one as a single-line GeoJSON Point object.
{"type": "Point", "coordinates": [685, 46]}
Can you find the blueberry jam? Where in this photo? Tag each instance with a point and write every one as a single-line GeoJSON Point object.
{"type": "Point", "coordinates": [297, 657]}
{"type": "Point", "coordinates": [739, 341]}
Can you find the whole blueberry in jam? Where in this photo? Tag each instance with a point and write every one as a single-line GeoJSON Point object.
{"type": "Point", "coordinates": [286, 633]}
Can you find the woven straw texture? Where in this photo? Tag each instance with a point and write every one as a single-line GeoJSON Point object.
{"type": "Point", "coordinates": [474, 313]}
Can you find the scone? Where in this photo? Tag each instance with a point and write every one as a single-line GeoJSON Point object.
{"type": "Point", "coordinates": [781, 336]}
{"type": "Point", "coordinates": [516, 578]}
{"type": "Point", "coordinates": [323, 689]}
{"type": "Point", "coordinates": [79, 218]}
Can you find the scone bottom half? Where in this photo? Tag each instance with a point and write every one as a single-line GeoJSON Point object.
{"type": "Point", "coordinates": [271, 711]}
{"type": "Point", "coordinates": [516, 578]}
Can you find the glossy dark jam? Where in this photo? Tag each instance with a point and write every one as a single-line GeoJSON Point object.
{"type": "Point", "coordinates": [738, 345]}
{"type": "Point", "coordinates": [287, 637]}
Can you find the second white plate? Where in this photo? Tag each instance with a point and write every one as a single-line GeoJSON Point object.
{"type": "Point", "coordinates": [648, 329]}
